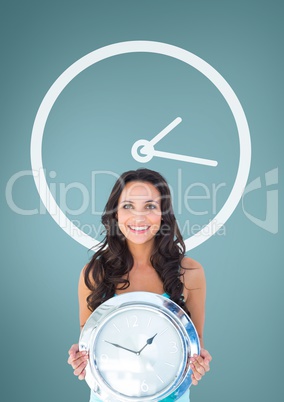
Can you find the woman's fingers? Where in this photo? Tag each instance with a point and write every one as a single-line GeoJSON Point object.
{"type": "Point", "coordinates": [73, 350]}
{"type": "Point", "coordinates": [206, 355]}
{"type": "Point", "coordinates": [82, 375]}
{"type": "Point", "coordinates": [78, 360]}
{"type": "Point", "coordinates": [199, 365]}
{"type": "Point", "coordinates": [80, 368]}
{"type": "Point", "coordinates": [197, 371]}
{"type": "Point", "coordinates": [193, 380]}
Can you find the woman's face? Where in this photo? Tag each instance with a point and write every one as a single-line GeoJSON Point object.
{"type": "Point", "coordinates": [139, 212]}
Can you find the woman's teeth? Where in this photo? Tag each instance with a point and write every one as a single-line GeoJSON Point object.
{"type": "Point", "coordinates": [139, 228]}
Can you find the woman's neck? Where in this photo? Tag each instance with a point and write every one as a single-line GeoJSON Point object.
{"type": "Point", "coordinates": [141, 252]}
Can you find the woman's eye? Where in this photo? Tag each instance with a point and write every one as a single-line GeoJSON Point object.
{"type": "Point", "coordinates": [127, 206]}
{"type": "Point", "coordinates": [151, 206]}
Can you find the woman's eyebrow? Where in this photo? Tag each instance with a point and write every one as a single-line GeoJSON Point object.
{"type": "Point", "coordinates": [152, 201]}
{"type": "Point", "coordinates": [126, 201]}
{"type": "Point", "coordinates": [131, 202]}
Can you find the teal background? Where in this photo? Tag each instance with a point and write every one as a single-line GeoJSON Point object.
{"type": "Point", "coordinates": [117, 102]}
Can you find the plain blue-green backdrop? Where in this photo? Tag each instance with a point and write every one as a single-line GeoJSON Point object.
{"type": "Point", "coordinates": [92, 126]}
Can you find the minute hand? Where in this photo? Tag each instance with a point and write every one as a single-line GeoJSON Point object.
{"type": "Point", "coordinates": [122, 347]}
{"type": "Point", "coordinates": [185, 158]}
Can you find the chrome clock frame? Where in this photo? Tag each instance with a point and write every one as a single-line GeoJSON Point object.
{"type": "Point", "coordinates": [142, 300]}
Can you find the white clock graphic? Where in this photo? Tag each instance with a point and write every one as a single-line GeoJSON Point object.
{"type": "Point", "coordinates": [147, 148]}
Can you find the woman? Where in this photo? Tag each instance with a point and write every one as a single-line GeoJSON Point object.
{"type": "Point", "coordinates": [143, 250]}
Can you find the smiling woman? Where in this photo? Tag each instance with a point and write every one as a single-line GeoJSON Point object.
{"type": "Point", "coordinates": [143, 250]}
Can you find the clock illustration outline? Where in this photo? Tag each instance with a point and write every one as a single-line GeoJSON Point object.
{"type": "Point", "coordinates": [146, 148]}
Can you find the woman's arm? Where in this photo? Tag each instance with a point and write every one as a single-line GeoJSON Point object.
{"type": "Point", "coordinates": [195, 293]}
{"type": "Point", "coordinates": [78, 360]}
{"type": "Point", "coordinates": [83, 293]}
{"type": "Point", "coordinates": [195, 296]}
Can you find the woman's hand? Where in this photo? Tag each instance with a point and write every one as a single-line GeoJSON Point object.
{"type": "Point", "coordinates": [78, 360]}
{"type": "Point", "coordinates": [200, 365]}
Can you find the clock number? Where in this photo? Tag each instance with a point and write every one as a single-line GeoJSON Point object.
{"type": "Point", "coordinates": [104, 358]}
{"type": "Point", "coordinates": [132, 321]}
{"type": "Point", "coordinates": [144, 387]}
{"type": "Point", "coordinates": [174, 347]}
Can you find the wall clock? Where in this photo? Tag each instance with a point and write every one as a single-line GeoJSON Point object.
{"type": "Point", "coordinates": [139, 347]}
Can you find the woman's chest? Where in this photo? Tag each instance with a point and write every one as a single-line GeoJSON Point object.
{"type": "Point", "coordinates": [146, 280]}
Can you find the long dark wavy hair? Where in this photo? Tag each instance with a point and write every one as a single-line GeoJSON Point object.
{"type": "Point", "coordinates": [110, 265]}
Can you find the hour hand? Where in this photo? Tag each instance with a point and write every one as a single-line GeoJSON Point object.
{"type": "Point", "coordinates": [122, 347]}
{"type": "Point", "coordinates": [148, 342]}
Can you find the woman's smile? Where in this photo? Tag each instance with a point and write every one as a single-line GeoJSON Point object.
{"type": "Point", "coordinates": [139, 229]}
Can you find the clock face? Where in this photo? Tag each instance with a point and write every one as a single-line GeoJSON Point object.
{"type": "Point", "coordinates": [139, 352]}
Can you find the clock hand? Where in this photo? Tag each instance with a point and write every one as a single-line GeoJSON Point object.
{"type": "Point", "coordinates": [185, 158]}
{"type": "Point", "coordinates": [148, 342]}
{"type": "Point", "coordinates": [165, 131]}
{"type": "Point", "coordinates": [148, 152]}
{"type": "Point", "coordinates": [122, 347]}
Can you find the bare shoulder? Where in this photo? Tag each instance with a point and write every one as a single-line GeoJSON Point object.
{"type": "Point", "coordinates": [82, 273]}
{"type": "Point", "coordinates": [83, 289]}
{"type": "Point", "coordinates": [82, 284]}
{"type": "Point", "coordinates": [188, 262]}
{"type": "Point", "coordinates": [193, 275]}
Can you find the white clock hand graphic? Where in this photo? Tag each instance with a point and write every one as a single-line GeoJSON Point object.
{"type": "Point", "coordinates": [148, 151]}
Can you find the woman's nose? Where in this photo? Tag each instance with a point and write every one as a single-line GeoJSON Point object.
{"type": "Point", "coordinates": [139, 216]}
